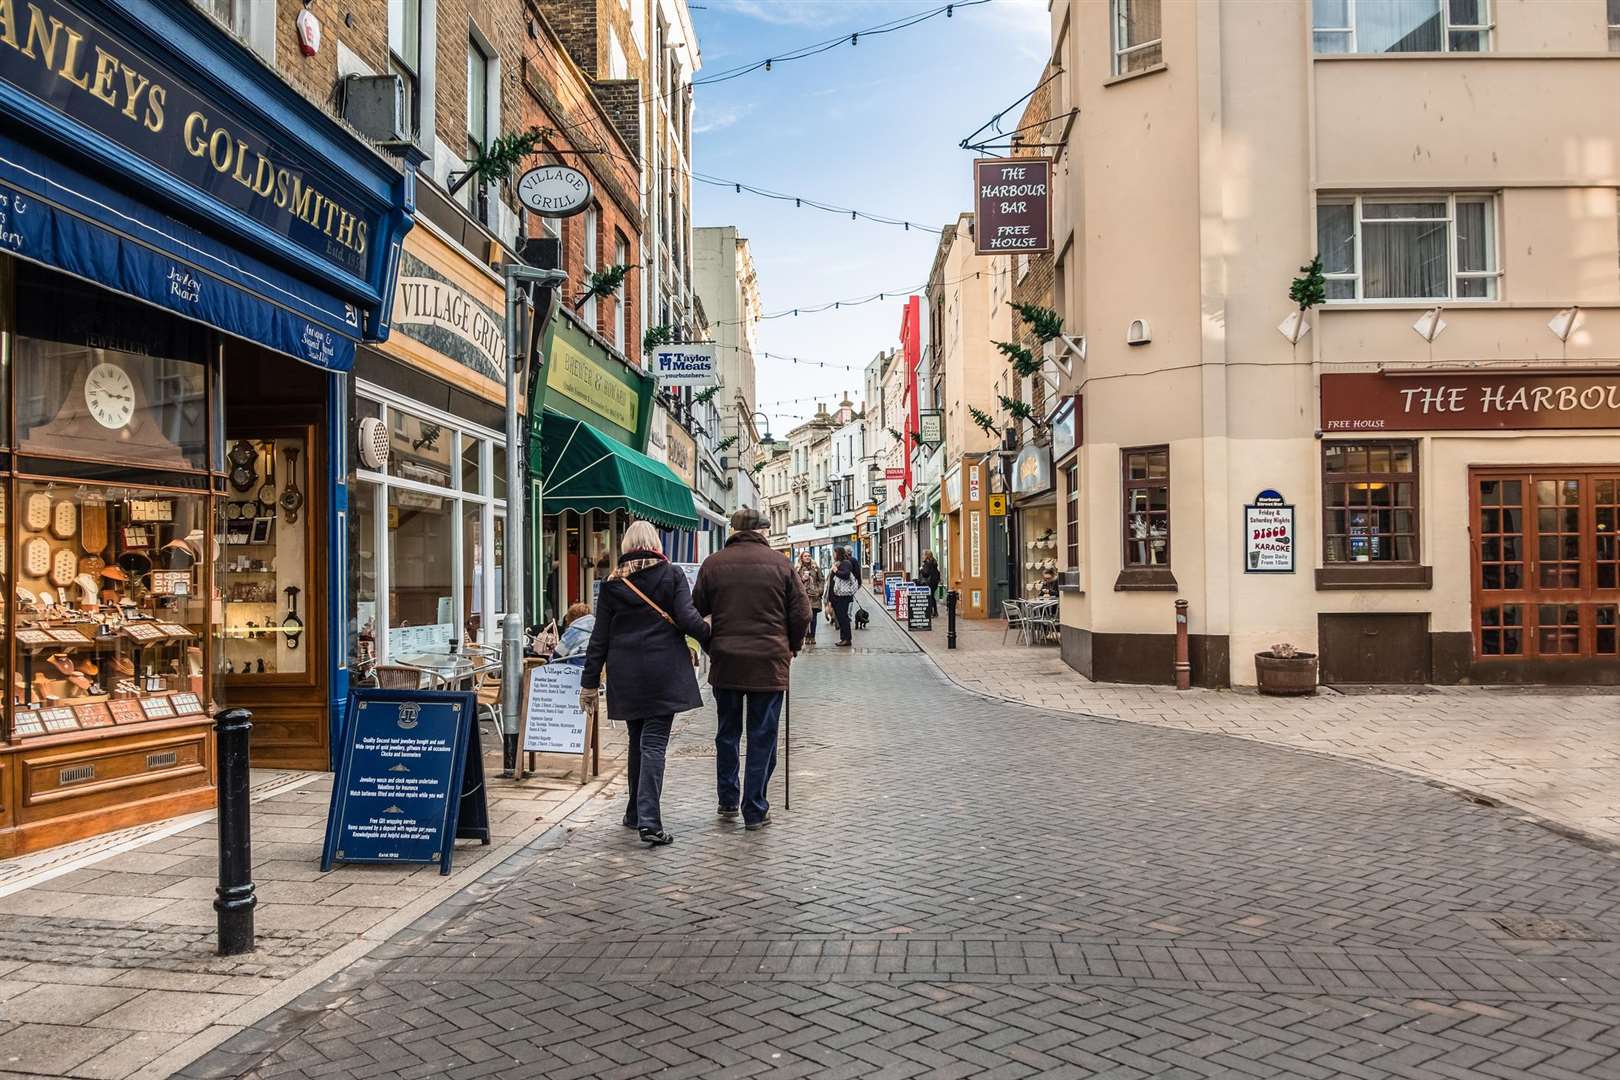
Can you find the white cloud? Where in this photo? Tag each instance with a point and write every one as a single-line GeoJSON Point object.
{"type": "Point", "coordinates": [707, 120]}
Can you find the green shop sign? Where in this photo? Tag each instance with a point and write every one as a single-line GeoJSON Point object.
{"type": "Point", "coordinates": [585, 381]}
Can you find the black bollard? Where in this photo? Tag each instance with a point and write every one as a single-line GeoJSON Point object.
{"type": "Point", "coordinates": [234, 900]}
{"type": "Point", "coordinates": [950, 618]}
{"type": "Point", "coordinates": [509, 756]}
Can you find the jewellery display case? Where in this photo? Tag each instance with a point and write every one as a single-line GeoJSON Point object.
{"type": "Point", "coordinates": [112, 456]}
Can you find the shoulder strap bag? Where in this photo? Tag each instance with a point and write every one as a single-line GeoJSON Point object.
{"type": "Point", "coordinates": [625, 578]}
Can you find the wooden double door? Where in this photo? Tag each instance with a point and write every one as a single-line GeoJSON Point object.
{"type": "Point", "coordinates": [1546, 564]}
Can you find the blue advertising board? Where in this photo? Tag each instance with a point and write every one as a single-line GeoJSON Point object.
{"type": "Point", "coordinates": [410, 779]}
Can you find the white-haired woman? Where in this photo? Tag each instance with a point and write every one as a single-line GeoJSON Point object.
{"type": "Point", "coordinates": [643, 617]}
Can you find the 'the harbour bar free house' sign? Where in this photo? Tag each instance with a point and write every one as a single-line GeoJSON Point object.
{"type": "Point", "coordinates": [1012, 203]}
{"type": "Point", "coordinates": [1442, 401]}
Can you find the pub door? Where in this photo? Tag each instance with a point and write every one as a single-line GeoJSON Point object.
{"type": "Point", "coordinates": [1546, 572]}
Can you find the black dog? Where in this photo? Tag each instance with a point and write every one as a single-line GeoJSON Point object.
{"type": "Point", "coordinates": [862, 617]}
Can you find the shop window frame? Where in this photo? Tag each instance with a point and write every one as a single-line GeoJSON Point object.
{"type": "Point", "coordinates": [1071, 521]}
{"type": "Point", "coordinates": [382, 485]}
{"type": "Point", "coordinates": [207, 482]}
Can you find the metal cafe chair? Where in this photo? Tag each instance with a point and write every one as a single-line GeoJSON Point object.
{"type": "Point", "coordinates": [1042, 618]}
{"type": "Point", "coordinates": [1015, 617]}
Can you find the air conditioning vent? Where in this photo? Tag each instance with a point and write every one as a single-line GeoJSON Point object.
{"type": "Point", "coordinates": [374, 105]}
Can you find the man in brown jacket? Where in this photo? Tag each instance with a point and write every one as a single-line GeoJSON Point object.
{"type": "Point", "coordinates": [759, 614]}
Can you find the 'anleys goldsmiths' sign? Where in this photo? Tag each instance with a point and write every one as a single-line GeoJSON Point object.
{"type": "Point", "coordinates": [56, 53]}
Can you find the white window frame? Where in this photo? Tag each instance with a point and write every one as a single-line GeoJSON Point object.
{"type": "Point", "coordinates": [1486, 28]}
{"type": "Point", "coordinates": [1492, 275]}
{"type": "Point", "coordinates": [1118, 13]}
{"type": "Point", "coordinates": [588, 263]}
{"type": "Point", "coordinates": [410, 71]}
{"type": "Point", "coordinates": [383, 484]}
{"type": "Point", "coordinates": [621, 257]}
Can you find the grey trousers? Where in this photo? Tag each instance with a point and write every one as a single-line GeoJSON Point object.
{"type": "Point", "coordinates": [649, 739]}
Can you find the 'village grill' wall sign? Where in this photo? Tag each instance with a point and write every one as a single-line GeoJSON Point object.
{"type": "Point", "coordinates": [1437, 401]}
{"type": "Point", "coordinates": [53, 51]}
{"type": "Point", "coordinates": [442, 316]}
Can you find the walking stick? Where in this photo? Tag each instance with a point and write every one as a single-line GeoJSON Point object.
{"type": "Point", "coordinates": [787, 738]}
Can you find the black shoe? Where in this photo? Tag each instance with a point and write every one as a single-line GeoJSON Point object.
{"type": "Point", "coordinates": [845, 644]}
{"type": "Point", "coordinates": [656, 837]}
{"type": "Point", "coordinates": [755, 826]}
{"type": "Point", "coordinates": [728, 812]}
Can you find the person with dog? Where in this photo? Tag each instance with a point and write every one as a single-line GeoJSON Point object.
{"type": "Point", "coordinates": [842, 586]}
{"type": "Point", "coordinates": [760, 614]}
{"type": "Point", "coordinates": [643, 617]}
{"type": "Point", "coordinates": [814, 582]}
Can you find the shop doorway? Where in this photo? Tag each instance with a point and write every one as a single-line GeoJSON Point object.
{"type": "Point", "coordinates": [275, 657]}
{"type": "Point", "coordinates": [1546, 570]}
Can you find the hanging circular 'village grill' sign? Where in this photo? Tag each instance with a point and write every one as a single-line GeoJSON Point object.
{"type": "Point", "coordinates": [554, 190]}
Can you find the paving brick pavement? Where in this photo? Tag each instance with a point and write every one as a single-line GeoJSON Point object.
{"type": "Point", "coordinates": [968, 888]}
{"type": "Point", "coordinates": [1554, 753]}
{"type": "Point", "coordinates": [107, 950]}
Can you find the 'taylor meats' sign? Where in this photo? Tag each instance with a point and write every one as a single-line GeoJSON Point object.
{"type": "Point", "coordinates": [1012, 205]}
{"type": "Point", "coordinates": [1468, 402]}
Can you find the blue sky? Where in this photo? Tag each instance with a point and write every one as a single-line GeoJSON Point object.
{"type": "Point", "coordinates": [874, 127]}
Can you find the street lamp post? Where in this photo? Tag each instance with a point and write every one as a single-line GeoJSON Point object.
{"type": "Point", "coordinates": [512, 624]}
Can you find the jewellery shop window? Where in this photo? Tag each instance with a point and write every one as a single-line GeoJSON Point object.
{"type": "Point", "coordinates": [264, 560]}
{"type": "Point", "coordinates": [110, 525]}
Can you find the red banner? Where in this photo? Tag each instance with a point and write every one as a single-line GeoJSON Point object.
{"type": "Point", "coordinates": [911, 351]}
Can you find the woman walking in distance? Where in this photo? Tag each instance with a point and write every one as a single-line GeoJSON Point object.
{"type": "Point", "coordinates": [841, 589]}
{"type": "Point", "coordinates": [643, 618]}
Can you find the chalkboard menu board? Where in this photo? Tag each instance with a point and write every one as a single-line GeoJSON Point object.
{"type": "Point", "coordinates": [917, 608]}
{"type": "Point", "coordinates": [410, 781]}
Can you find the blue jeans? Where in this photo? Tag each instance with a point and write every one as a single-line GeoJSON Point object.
{"type": "Point", "coordinates": [764, 708]}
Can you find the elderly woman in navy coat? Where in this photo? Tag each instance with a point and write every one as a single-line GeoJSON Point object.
{"type": "Point", "coordinates": [643, 617]}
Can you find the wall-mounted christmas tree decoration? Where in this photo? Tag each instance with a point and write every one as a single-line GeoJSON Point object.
{"type": "Point", "coordinates": [1046, 323]}
{"type": "Point", "coordinates": [1024, 362]}
{"type": "Point", "coordinates": [1018, 410]}
{"type": "Point", "coordinates": [983, 421]}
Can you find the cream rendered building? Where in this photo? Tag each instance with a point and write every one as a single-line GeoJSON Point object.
{"type": "Point", "coordinates": [1456, 496]}
{"type": "Point", "coordinates": [967, 313]}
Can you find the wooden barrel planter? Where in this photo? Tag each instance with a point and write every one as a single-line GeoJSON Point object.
{"type": "Point", "coordinates": [1286, 676]}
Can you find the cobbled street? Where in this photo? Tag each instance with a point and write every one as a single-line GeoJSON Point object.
{"type": "Point", "coordinates": [964, 888]}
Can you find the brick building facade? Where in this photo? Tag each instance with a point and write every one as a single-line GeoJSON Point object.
{"type": "Point", "coordinates": [559, 96]}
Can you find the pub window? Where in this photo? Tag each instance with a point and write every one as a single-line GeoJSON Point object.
{"type": "Point", "coordinates": [1369, 498]}
{"type": "Point", "coordinates": [1147, 506]}
{"type": "Point", "coordinates": [1138, 35]}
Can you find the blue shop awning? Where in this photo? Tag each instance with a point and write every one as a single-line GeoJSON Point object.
{"type": "Point", "coordinates": [69, 221]}
{"type": "Point", "coordinates": [153, 154]}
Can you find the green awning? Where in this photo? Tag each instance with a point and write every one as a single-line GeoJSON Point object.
{"type": "Point", "coordinates": [582, 469]}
